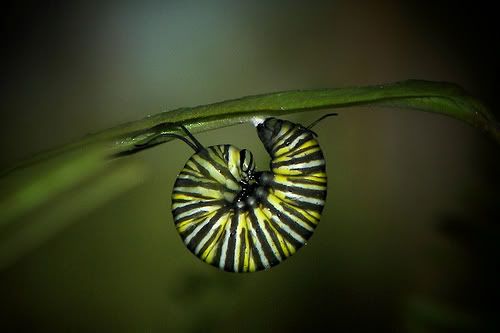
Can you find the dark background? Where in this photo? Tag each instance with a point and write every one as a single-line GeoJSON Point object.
{"type": "Point", "coordinates": [409, 237]}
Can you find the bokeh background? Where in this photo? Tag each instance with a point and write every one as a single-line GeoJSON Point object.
{"type": "Point", "coordinates": [409, 237]}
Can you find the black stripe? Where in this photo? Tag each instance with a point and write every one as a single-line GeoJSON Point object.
{"type": "Point", "coordinates": [195, 205]}
{"type": "Point", "coordinates": [287, 141]}
{"type": "Point", "coordinates": [291, 134]}
{"type": "Point", "coordinates": [202, 169]}
{"type": "Point", "coordinates": [205, 229]}
{"type": "Point", "coordinates": [207, 159]}
{"type": "Point", "coordinates": [218, 159]}
{"type": "Point", "coordinates": [266, 248]}
{"type": "Point", "coordinates": [198, 215]}
{"type": "Point", "coordinates": [299, 147]}
{"type": "Point", "coordinates": [285, 234]}
{"type": "Point", "coordinates": [300, 150]}
{"type": "Point", "coordinates": [297, 203]}
{"type": "Point", "coordinates": [243, 247]}
{"type": "Point", "coordinates": [226, 152]}
{"type": "Point", "coordinates": [181, 200]}
{"type": "Point", "coordinates": [211, 185]}
{"type": "Point", "coordinates": [316, 156]}
{"type": "Point", "coordinates": [292, 149]}
{"type": "Point", "coordinates": [187, 230]}
{"type": "Point", "coordinates": [290, 209]}
{"type": "Point", "coordinates": [231, 246]}
{"type": "Point", "coordinates": [312, 193]}
{"type": "Point", "coordinates": [212, 239]}
{"type": "Point", "coordinates": [304, 205]}
{"type": "Point", "coordinates": [242, 160]}
{"type": "Point", "coordinates": [218, 253]}
{"type": "Point", "coordinates": [192, 195]}
{"type": "Point", "coordinates": [275, 239]}
{"type": "Point", "coordinates": [254, 254]}
{"type": "Point", "coordinates": [310, 170]}
{"type": "Point", "coordinates": [252, 162]}
{"type": "Point", "coordinates": [302, 180]}
{"type": "Point", "coordinates": [312, 216]}
{"type": "Point", "coordinates": [220, 151]}
{"type": "Point", "coordinates": [289, 129]}
{"type": "Point", "coordinates": [297, 228]}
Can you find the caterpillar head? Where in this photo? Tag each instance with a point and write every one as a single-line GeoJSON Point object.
{"type": "Point", "coordinates": [247, 164]}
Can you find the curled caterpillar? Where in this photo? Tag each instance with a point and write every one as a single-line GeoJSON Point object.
{"type": "Point", "coordinates": [242, 220]}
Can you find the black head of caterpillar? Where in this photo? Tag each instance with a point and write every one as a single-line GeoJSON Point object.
{"type": "Point", "coordinates": [242, 220]}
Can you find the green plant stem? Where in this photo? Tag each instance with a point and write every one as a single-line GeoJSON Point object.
{"type": "Point", "coordinates": [437, 97]}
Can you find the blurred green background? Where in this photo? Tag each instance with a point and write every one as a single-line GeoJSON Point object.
{"type": "Point", "coordinates": [409, 237]}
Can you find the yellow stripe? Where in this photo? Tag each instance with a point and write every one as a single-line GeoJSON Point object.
{"type": "Point", "coordinates": [248, 263]}
{"type": "Point", "coordinates": [216, 174]}
{"type": "Point", "coordinates": [215, 157]}
{"type": "Point", "coordinates": [293, 146]}
{"type": "Point", "coordinates": [286, 171]}
{"type": "Point", "coordinates": [302, 211]}
{"type": "Point", "coordinates": [208, 255]}
{"type": "Point", "coordinates": [281, 240]}
{"type": "Point", "coordinates": [276, 201]}
{"type": "Point", "coordinates": [251, 265]}
{"type": "Point", "coordinates": [181, 227]}
{"type": "Point", "coordinates": [263, 222]}
{"type": "Point", "coordinates": [319, 177]}
{"type": "Point", "coordinates": [314, 213]}
{"type": "Point", "coordinates": [237, 244]}
{"type": "Point", "coordinates": [290, 155]}
{"type": "Point", "coordinates": [205, 192]}
{"type": "Point", "coordinates": [181, 196]}
{"type": "Point", "coordinates": [191, 165]}
{"type": "Point", "coordinates": [233, 162]}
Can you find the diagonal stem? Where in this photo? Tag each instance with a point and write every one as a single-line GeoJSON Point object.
{"type": "Point", "coordinates": [437, 97]}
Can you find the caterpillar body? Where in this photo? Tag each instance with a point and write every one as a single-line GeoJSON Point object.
{"type": "Point", "coordinates": [242, 220]}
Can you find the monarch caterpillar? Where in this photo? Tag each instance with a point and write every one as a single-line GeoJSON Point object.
{"type": "Point", "coordinates": [242, 220]}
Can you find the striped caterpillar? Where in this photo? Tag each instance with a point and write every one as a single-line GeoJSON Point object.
{"type": "Point", "coordinates": [243, 220]}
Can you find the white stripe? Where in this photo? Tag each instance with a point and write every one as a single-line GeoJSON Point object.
{"type": "Point", "coordinates": [290, 183]}
{"type": "Point", "coordinates": [213, 229]}
{"type": "Point", "coordinates": [306, 164]}
{"type": "Point", "coordinates": [225, 244]}
{"type": "Point", "coordinates": [298, 197]}
{"type": "Point", "coordinates": [192, 202]}
{"type": "Point", "coordinates": [297, 139]}
{"type": "Point", "coordinates": [214, 194]}
{"type": "Point", "coordinates": [194, 211]}
{"type": "Point", "coordinates": [196, 230]}
{"type": "Point", "coordinates": [237, 246]}
{"type": "Point", "coordinates": [200, 178]}
{"type": "Point", "coordinates": [257, 244]}
{"type": "Point", "coordinates": [269, 240]}
{"type": "Point", "coordinates": [287, 229]}
{"type": "Point", "coordinates": [291, 216]}
{"type": "Point", "coordinates": [216, 174]}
